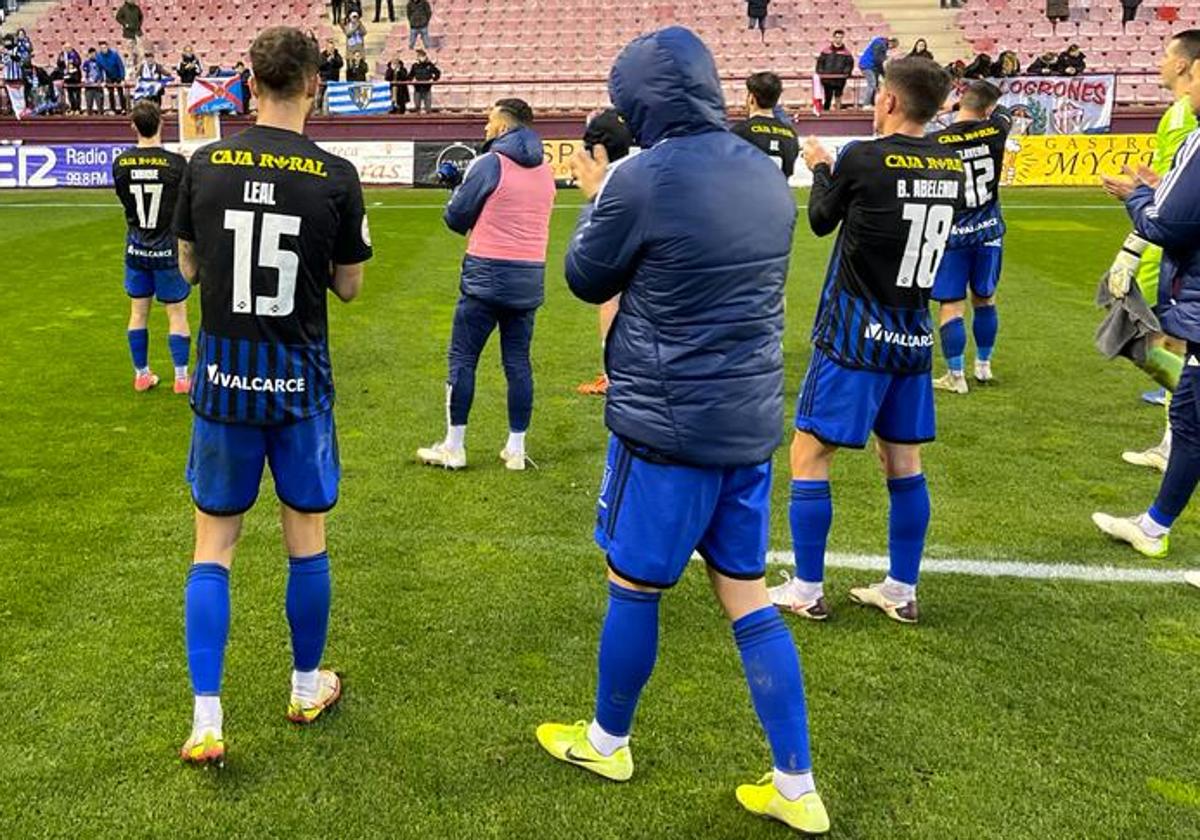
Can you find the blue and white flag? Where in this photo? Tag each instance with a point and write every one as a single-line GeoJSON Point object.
{"type": "Point", "coordinates": [148, 88]}
{"type": "Point", "coordinates": [356, 98]}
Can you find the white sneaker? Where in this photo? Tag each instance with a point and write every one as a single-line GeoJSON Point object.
{"type": "Point", "coordinates": [983, 371]}
{"type": "Point", "coordinates": [955, 383]}
{"type": "Point", "coordinates": [904, 612]}
{"type": "Point", "coordinates": [1128, 529]}
{"type": "Point", "coordinates": [790, 596]}
{"type": "Point", "coordinates": [441, 455]}
{"type": "Point", "coordinates": [1155, 457]}
{"type": "Point", "coordinates": [1193, 578]}
{"type": "Point", "coordinates": [513, 460]}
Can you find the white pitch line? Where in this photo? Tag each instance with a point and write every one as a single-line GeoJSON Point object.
{"type": "Point", "coordinates": [1001, 568]}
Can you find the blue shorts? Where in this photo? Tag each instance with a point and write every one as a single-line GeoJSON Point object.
{"type": "Point", "coordinates": [652, 516]}
{"type": "Point", "coordinates": [166, 284]}
{"type": "Point", "coordinates": [841, 406]}
{"type": "Point", "coordinates": [977, 267]}
{"type": "Point", "coordinates": [225, 464]}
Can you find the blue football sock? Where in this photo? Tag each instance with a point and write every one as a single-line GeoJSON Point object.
{"type": "Point", "coordinates": [908, 520]}
{"type": "Point", "coordinates": [954, 343]}
{"type": "Point", "coordinates": [181, 348]}
{"type": "Point", "coordinates": [811, 514]}
{"type": "Point", "coordinates": [985, 326]}
{"type": "Point", "coordinates": [139, 348]}
{"type": "Point", "coordinates": [206, 625]}
{"type": "Point", "coordinates": [776, 686]}
{"type": "Point", "coordinates": [1179, 481]}
{"type": "Point", "coordinates": [628, 648]}
{"type": "Point", "coordinates": [308, 596]}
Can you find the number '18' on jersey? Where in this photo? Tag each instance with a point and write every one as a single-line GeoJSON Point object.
{"type": "Point", "coordinates": [269, 213]}
{"type": "Point", "coordinates": [895, 199]}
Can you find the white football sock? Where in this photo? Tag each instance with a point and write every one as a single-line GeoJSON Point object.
{"type": "Point", "coordinates": [794, 785]}
{"type": "Point", "coordinates": [306, 684]}
{"type": "Point", "coordinates": [181, 372]}
{"type": "Point", "coordinates": [604, 743]}
{"type": "Point", "coordinates": [142, 371]}
{"type": "Point", "coordinates": [456, 437]}
{"type": "Point", "coordinates": [1151, 528]}
{"type": "Point", "coordinates": [809, 592]}
{"type": "Point", "coordinates": [207, 714]}
{"type": "Point", "coordinates": [895, 590]}
{"type": "Point", "coordinates": [516, 443]}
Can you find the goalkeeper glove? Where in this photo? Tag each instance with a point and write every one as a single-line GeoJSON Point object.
{"type": "Point", "coordinates": [1124, 268]}
{"type": "Point", "coordinates": [449, 174]}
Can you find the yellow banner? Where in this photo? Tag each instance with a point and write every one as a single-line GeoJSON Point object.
{"type": "Point", "coordinates": [558, 156]}
{"type": "Point", "coordinates": [1072, 159]}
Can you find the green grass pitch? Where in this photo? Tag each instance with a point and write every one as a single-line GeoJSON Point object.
{"type": "Point", "coordinates": [467, 606]}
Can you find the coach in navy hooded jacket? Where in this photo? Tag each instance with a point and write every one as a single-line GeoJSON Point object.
{"type": "Point", "coordinates": [693, 359]}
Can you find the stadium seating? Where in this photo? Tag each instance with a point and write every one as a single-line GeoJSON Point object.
{"type": "Point", "coordinates": [994, 25]}
{"type": "Point", "coordinates": [535, 40]}
{"type": "Point", "coordinates": [220, 31]}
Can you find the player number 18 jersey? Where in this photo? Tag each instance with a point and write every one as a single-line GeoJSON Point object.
{"type": "Point", "coordinates": [270, 213]}
{"type": "Point", "coordinates": [895, 199]}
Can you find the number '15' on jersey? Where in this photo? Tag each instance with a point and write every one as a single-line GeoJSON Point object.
{"type": "Point", "coordinates": [270, 213]}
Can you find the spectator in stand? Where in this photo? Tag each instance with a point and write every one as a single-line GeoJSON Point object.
{"type": "Point", "coordinates": [189, 67]}
{"type": "Point", "coordinates": [957, 69]}
{"type": "Point", "coordinates": [329, 70]}
{"type": "Point", "coordinates": [24, 46]}
{"type": "Point", "coordinates": [67, 59]}
{"type": "Point", "coordinates": [357, 70]}
{"type": "Point", "coordinates": [243, 72]}
{"type": "Point", "coordinates": [336, 8]}
{"type": "Point", "coordinates": [353, 7]}
{"type": "Point", "coordinates": [130, 18]}
{"type": "Point", "coordinates": [93, 81]}
{"type": "Point", "coordinates": [871, 62]}
{"type": "Point", "coordinates": [151, 71]}
{"type": "Point", "coordinates": [834, 66]}
{"type": "Point", "coordinates": [1058, 10]}
{"type": "Point", "coordinates": [391, 11]}
{"type": "Point", "coordinates": [395, 74]}
{"type": "Point", "coordinates": [1045, 64]}
{"type": "Point", "coordinates": [1129, 10]}
{"type": "Point", "coordinates": [1071, 62]}
{"type": "Point", "coordinates": [423, 70]}
{"type": "Point", "coordinates": [356, 33]}
{"type": "Point", "coordinates": [419, 13]}
{"type": "Point", "coordinates": [921, 50]}
{"type": "Point", "coordinates": [979, 68]}
{"type": "Point", "coordinates": [114, 76]}
{"type": "Point", "coordinates": [72, 77]}
{"type": "Point", "coordinates": [1006, 66]}
{"type": "Point", "coordinates": [756, 11]}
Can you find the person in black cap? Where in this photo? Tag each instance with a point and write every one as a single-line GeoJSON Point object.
{"type": "Point", "coordinates": [606, 128]}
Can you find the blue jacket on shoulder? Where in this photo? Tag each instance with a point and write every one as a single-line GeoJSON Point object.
{"type": "Point", "coordinates": [1169, 216]}
{"type": "Point", "coordinates": [112, 65]}
{"type": "Point", "coordinates": [875, 55]}
{"type": "Point", "coordinates": [694, 233]}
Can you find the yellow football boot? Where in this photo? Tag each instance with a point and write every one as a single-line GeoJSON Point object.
{"type": "Point", "coordinates": [569, 743]}
{"type": "Point", "coordinates": [806, 814]}
{"type": "Point", "coordinates": [305, 711]}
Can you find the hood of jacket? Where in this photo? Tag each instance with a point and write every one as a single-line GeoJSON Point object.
{"type": "Point", "coordinates": [665, 84]}
{"type": "Point", "coordinates": [521, 145]}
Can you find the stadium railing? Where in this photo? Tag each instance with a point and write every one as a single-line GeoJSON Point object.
{"type": "Point", "coordinates": [573, 95]}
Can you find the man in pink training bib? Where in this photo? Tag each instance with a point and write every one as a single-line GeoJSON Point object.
{"type": "Point", "coordinates": [503, 207]}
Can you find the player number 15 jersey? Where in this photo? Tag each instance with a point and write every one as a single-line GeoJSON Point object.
{"type": "Point", "coordinates": [270, 213]}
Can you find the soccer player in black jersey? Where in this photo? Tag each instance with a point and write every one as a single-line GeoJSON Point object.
{"type": "Point", "coordinates": [761, 127]}
{"type": "Point", "coordinates": [894, 199]}
{"type": "Point", "coordinates": [973, 254]}
{"type": "Point", "coordinates": [147, 179]}
{"type": "Point", "coordinates": [268, 225]}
